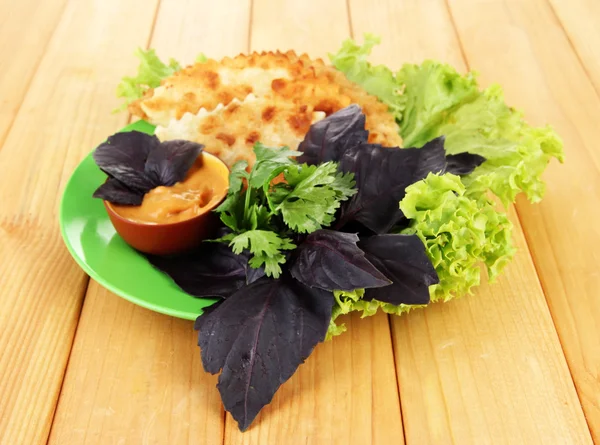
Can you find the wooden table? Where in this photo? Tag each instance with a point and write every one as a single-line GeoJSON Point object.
{"type": "Point", "coordinates": [517, 363]}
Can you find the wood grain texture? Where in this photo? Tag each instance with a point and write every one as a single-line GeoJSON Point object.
{"type": "Point", "coordinates": [542, 75]}
{"type": "Point", "coordinates": [346, 392]}
{"type": "Point", "coordinates": [580, 19]}
{"type": "Point", "coordinates": [406, 29]}
{"type": "Point", "coordinates": [135, 376]}
{"type": "Point", "coordinates": [186, 28]}
{"type": "Point", "coordinates": [25, 29]}
{"type": "Point", "coordinates": [42, 288]}
{"type": "Point", "coordinates": [488, 368]}
{"type": "Point", "coordinates": [484, 369]}
{"type": "Point", "coordinates": [315, 27]}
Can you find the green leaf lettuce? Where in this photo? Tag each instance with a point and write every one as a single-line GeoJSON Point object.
{"type": "Point", "coordinates": [349, 301]}
{"type": "Point", "coordinates": [459, 224]}
{"type": "Point", "coordinates": [151, 71]}
{"type": "Point", "coordinates": [437, 100]}
{"type": "Point", "coordinates": [378, 80]}
{"type": "Point", "coordinates": [459, 233]}
{"type": "Point", "coordinates": [517, 154]}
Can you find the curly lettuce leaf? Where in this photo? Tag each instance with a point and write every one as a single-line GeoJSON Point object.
{"type": "Point", "coordinates": [151, 71]}
{"type": "Point", "coordinates": [460, 233]}
{"type": "Point", "coordinates": [349, 301]}
{"type": "Point", "coordinates": [378, 80]}
{"type": "Point", "coordinates": [516, 153]}
{"type": "Point", "coordinates": [429, 90]}
{"type": "Point", "coordinates": [436, 100]}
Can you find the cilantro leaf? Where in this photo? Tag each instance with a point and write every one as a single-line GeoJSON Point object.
{"type": "Point", "coordinates": [315, 192]}
{"type": "Point", "coordinates": [311, 175]}
{"type": "Point", "coordinates": [344, 185]}
{"type": "Point", "coordinates": [274, 194]}
{"type": "Point", "coordinates": [258, 217]}
{"type": "Point", "coordinates": [268, 160]}
{"type": "Point", "coordinates": [266, 246]}
{"type": "Point", "coordinates": [306, 200]}
{"type": "Point", "coordinates": [272, 264]}
{"type": "Point", "coordinates": [232, 212]}
{"type": "Point", "coordinates": [239, 217]}
{"type": "Point", "coordinates": [237, 174]}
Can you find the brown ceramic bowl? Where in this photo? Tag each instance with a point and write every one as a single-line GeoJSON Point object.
{"type": "Point", "coordinates": [164, 239]}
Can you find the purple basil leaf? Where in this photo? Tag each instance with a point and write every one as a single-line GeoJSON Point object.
{"type": "Point", "coordinates": [123, 156]}
{"type": "Point", "coordinates": [259, 336]}
{"type": "Point", "coordinates": [116, 192]}
{"type": "Point", "coordinates": [168, 163]}
{"type": "Point", "coordinates": [328, 139]}
{"type": "Point", "coordinates": [331, 260]}
{"type": "Point", "coordinates": [382, 175]}
{"type": "Point", "coordinates": [253, 274]}
{"type": "Point", "coordinates": [205, 311]}
{"type": "Point", "coordinates": [402, 258]}
{"type": "Point", "coordinates": [212, 270]}
{"type": "Point", "coordinates": [463, 163]}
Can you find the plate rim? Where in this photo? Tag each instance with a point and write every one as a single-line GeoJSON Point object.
{"type": "Point", "coordinates": [95, 275]}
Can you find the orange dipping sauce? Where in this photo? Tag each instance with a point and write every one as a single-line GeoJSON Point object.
{"type": "Point", "coordinates": [203, 188]}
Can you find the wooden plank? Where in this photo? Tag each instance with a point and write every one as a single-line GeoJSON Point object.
{"type": "Point", "coordinates": [406, 30]}
{"type": "Point", "coordinates": [57, 124]}
{"type": "Point", "coordinates": [581, 21]}
{"type": "Point", "coordinates": [25, 29]}
{"type": "Point", "coordinates": [146, 384]}
{"type": "Point", "coordinates": [135, 376]}
{"type": "Point", "coordinates": [315, 27]}
{"type": "Point", "coordinates": [346, 391]}
{"type": "Point", "coordinates": [487, 368]}
{"type": "Point", "coordinates": [542, 75]}
{"type": "Point", "coordinates": [490, 368]}
{"type": "Point", "coordinates": [216, 29]}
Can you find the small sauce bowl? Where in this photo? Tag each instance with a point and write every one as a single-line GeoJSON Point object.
{"type": "Point", "coordinates": [173, 237]}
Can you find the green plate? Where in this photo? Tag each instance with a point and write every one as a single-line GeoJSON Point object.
{"type": "Point", "coordinates": [104, 256]}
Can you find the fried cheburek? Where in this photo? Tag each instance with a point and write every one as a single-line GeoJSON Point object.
{"type": "Point", "coordinates": [230, 131]}
{"type": "Point", "coordinates": [206, 102]}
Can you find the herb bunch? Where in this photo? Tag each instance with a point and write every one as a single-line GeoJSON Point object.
{"type": "Point", "coordinates": [278, 201]}
{"type": "Point", "coordinates": [296, 231]}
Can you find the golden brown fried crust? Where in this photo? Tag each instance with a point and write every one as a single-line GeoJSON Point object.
{"type": "Point", "coordinates": [231, 131]}
{"type": "Point", "coordinates": [268, 113]}
{"type": "Point", "coordinates": [284, 77]}
{"type": "Point", "coordinates": [252, 137]}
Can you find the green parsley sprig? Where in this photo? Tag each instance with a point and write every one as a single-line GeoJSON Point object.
{"type": "Point", "coordinates": [265, 217]}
